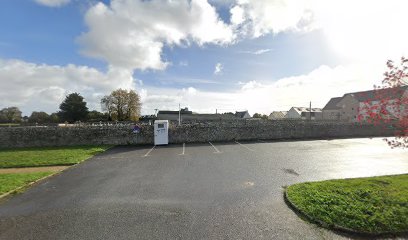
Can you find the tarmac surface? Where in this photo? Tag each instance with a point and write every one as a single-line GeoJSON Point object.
{"type": "Point", "coordinates": [191, 191]}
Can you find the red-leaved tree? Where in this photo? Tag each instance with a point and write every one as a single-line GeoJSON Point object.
{"type": "Point", "coordinates": [388, 104]}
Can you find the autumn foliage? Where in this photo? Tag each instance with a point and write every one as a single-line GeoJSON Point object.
{"type": "Point", "coordinates": [388, 104]}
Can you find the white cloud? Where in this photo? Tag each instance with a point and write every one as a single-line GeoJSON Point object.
{"type": "Point", "coordinates": [218, 69]}
{"type": "Point", "coordinates": [183, 63]}
{"type": "Point", "coordinates": [52, 3]}
{"type": "Point", "coordinates": [258, 52]}
{"type": "Point", "coordinates": [260, 96]}
{"type": "Point", "coordinates": [250, 85]}
{"type": "Point", "coordinates": [362, 31]}
{"type": "Point", "coordinates": [255, 18]}
{"type": "Point", "coordinates": [35, 87]}
{"type": "Point", "coordinates": [42, 87]}
{"type": "Point", "coordinates": [132, 34]}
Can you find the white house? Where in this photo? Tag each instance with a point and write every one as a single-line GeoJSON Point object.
{"type": "Point", "coordinates": [332, 111]}
{"type": "Point", "coordinates": [356, 106]}
{"type": "Point", "coordinates": [277, 115]}
{"type": "Point", "coordinates": [304, 113]}
{"type": "Point", "coordinates": [242, 115]}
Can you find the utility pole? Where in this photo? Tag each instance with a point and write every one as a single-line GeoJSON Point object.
{"type": "Point", "coordinates": [179, 115]}
{"type": "Point", "coordinates": [310, 111]}
{"type": "Point", "coordinates": [216, 112]}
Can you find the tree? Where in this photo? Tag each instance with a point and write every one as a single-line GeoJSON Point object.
{"type": "Point", "coordinates": [122, 105]}
{"type": "Point", "coordinates": [10, 115]}
{"type": "Point", "coordinates": [258, 115]}
{"type": "Point", "coordinates": [54, 118]}
{"type": "Point", "coordinates": [73, 108]}
{"type": "Point", "coordinates": [39, 117]}
{"type": "Point", "coordinates": [391, 103]}
{"type": "Point", "coordinates": [95, 116]}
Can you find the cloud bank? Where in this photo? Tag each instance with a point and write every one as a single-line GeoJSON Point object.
{"type": "Point", "coordinates": [52, 3]}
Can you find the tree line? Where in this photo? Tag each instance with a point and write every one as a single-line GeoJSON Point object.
{"type": "Point", "coordinates": [119, 105]}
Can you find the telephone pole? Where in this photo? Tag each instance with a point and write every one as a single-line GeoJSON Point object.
{"type": "Point", "coordinates": [179, 115]}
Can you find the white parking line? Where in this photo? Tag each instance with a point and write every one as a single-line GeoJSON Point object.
{"type": "Point", "coordinates": [216, 150]}
{"type": "Point", "coordinates": [184, 149]}
{"type": "Point", "coordinates": [250, 149]}
{"type": "Point", "coordinates": [147, 154]}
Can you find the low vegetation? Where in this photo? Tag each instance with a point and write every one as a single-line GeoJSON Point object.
{"type": "Point", "coordinates": [50, 156]}
{"type": "Point", "coordinates": [372, 205]}
{"type": "Point", "coordinates": [11, 181]}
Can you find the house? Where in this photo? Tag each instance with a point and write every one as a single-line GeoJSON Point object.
{"type": "Point", "coordinates": [355, 105]}
{"type": "Point", "coordinates": [242, 115]}
{"type": "Point", "coordinates": [186, 115]}
{"type": "Point", "coordinates": [277, 115]}
{"type": "Point", "coordinates": [304, 113]}
{"type": "Point", "coordinates": [173, 115]}
{"type": "Point", "coordinates": [332, 111]}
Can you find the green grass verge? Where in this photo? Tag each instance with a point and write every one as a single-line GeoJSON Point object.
{"type": "Point", "coordinates": [47, 156]}
{"type": "Point", "coordinates": [372, 205]}
{"type": "Point", "coordinates": [9, 124]}
{"type": "Point", "coordinates": [11, 181]}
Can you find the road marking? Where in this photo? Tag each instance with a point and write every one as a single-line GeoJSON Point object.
{"type": "Point", "coordinates": [262, 141]}
{"type": "Point", "coordinates": [184, 148]}
{"type": "Point", "coordinates": [147, 154]}
{"type": "Point", "coordinates": [216, 150]}
{"type": "Point", "coordinates": [250, 149]}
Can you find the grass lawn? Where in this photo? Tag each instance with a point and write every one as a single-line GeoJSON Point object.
{"type": "Point", "coordinates": [372, 205]}
{"type": "Point", "coordinates": [9, 124]}
{"type": "Point", "coordinates": [47, 156]}
{"type": "Point", "coordinates": [10, 181]}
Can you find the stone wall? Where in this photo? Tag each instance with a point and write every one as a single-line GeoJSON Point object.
{"type": "Point", "coordinates": [200, 132]}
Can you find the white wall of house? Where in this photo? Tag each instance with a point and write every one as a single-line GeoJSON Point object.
{"type": "Point", "coordinates": [292, 113]}
{"type": "Point", "coordinates": [349, 108]}
{"type": "Point", "coordinates": [246, 115]}
{"type": "Point", "coordinates": [394, 110]}
{"type": "Point", "coordinates": [331, 114]}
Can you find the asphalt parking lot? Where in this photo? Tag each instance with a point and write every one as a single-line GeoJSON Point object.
{"type": "Point", "coordinates": [191, 191]}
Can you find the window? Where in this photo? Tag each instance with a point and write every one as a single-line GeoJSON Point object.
{"type": "Point", "coordinates": [160, 125]}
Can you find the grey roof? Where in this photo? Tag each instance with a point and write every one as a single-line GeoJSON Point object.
{"type": "Point", "coordinates": [241, 114]}
{"type": "Point", "coordinates": [278, 114]}
{"type": "Point", "coordinates": [385, 93]}
{"type": "Point", "coordinates": [182, 111]}
{"type": "Point", "coordinates": [305, 109]}
{"type": "Point", "coordinates": [332, 104]}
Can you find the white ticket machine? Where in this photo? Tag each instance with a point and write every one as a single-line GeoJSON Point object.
{"type": "Point", "coordinates": [161, 132]}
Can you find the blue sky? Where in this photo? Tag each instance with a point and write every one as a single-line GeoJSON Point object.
{"type": "Point", "coordinates": [270, 55]}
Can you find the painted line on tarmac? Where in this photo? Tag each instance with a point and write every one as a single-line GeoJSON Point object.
{"type": "Point", "coordinates": [250, 149]}
{"type": "Point", "coordinates": [184, 149]}
{"type": "Point", "coordinates": [147, 154]}
{"type": "Point", "coordinates": [216, 150]}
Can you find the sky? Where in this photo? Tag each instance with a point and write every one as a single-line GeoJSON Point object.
{"type": "Point", "coordinates": [207, 55]}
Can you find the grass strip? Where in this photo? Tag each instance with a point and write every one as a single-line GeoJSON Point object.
{"type": "Point", "coordinates": [374, 205]}
{"type": "Point", "coordinates": [11, 181]}
{"type": "Point", "coordinates": [47, 156]}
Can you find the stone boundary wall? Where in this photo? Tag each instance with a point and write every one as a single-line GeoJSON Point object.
{"type": "Point", "coordinates": [192, 133]}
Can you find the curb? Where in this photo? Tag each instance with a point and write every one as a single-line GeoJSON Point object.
{"type": "Point", "coordinates": [336, 227]}
{"type": "Point", "coordinates": [4, 195]}
{"type": "Point", "coordinates": [28, 185]}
